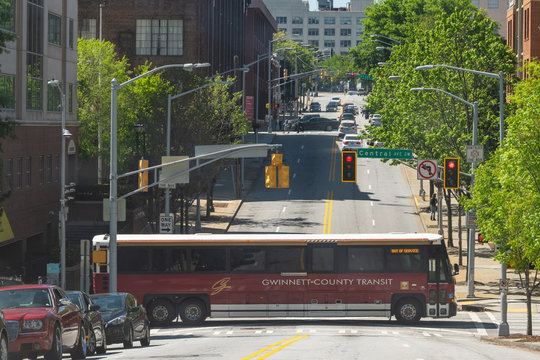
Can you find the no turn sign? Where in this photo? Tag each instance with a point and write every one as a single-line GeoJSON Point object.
{"type": "Point", "coordinates": [427, 169]}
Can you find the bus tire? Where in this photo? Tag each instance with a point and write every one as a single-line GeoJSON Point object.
{"type": "Point", "coordinates": [408, 311]}
{"type": "Point", "coordinates": [193, 312]}
{"type": "Point", "coordinates": [161, 312]}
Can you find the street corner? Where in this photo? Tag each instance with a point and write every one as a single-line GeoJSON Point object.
{"type": "Point", "coordinates": [521, 341]}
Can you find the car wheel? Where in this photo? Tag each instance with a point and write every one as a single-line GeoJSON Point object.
{"type": "Point", "coordinates": [56, 349]}
{"type": "Point", "coordinates": [161, 312]}
{"type": "Point", "coordinates": [408, 311]}
{"type": "Point", "coordinates": [3, 348]}
{"type": "Point", "coordinates": [91, 343]}
{"type": "Point", "coordinates": [128, 343]}
{"type": "Point", "coordinates": [193, 312]}
{"type": "Point", "coordinates": [146, 340]}
{"type": "Point", "coordinates": [103, 348]}
{"type": "Point", "coordinates": [80, 350]}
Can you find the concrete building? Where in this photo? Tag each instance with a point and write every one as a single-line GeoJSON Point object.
{"type": "Point", "coordinates": [334, 30]}
{"type": "Point", "coordinates": [45, 49]}
{"type": "Point", "coordinates": [496, 10]}
{"type": "Point", "coordinates": [523, 31]}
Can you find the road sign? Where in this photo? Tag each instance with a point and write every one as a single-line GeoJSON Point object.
{"type": "Point", "coordinates": [471, 219]}
{"type": "Point", "coordinates": [503, 285]}
{"type": "Point", "coordinates": [427, 169]}
{"type": "Point", "coordinates": [385, 153]}
{"type": "Point", "coordinates": [166, 224]}
{"type": "Point", "coordinates": [475, 153]}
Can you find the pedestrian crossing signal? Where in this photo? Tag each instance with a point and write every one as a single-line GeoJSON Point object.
{"type": "Point", "coordinates": [348, 166]}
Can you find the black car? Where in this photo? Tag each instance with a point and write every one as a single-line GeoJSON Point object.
{"type": "Point", "coordinates": [3, 337]}
{"type": "Point", "coordinates": [319, 123]}
{"type": "Point", "coordinates": [332, 106]}
{"type": "Point", "coordinates": [93, 322]}
{"type": "Point", "coordinates": [125, 320]}
{"type": "Point", "coordinates": [314, 106]}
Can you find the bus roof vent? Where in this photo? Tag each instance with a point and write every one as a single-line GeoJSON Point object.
{"type": "Point", "coordinates": [322, 241]}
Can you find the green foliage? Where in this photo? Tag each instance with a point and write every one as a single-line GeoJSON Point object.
{"type": "Point", "coordinates": [338, 65]}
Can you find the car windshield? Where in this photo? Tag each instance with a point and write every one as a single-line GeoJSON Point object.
{"type": "Point", "coordinates": [25, 298]}
{"type": "Point", "coordinates": [109, 302]}
{"type": "Point", "coordinates": [74, 297]}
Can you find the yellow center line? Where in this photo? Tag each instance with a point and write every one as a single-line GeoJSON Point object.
{"type": "Point", "coordinates": [281, 347]}
{"type": "Point", "coordinates": [328, 212]}
{"type": "Point", "coordinates": [269, 347]}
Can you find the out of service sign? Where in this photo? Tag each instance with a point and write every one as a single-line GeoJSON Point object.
{"type": "Point", "coordinates": [427, 169]}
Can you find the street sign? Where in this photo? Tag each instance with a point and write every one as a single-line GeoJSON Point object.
{"type": "Point", "coordinates": [385, 153]}
{"type": "Point", "coordinates": [471, 219]}
{"type": "Point", "coordinates": [168, 171]}
{"type": "Point", "coordinates": [503, 285]}
{"type": "Point", "coordinates": [166, 224]}
{"type": "Point", "coordinates": [427, 169]}
{"type": "Point", "coordinates": [475, 153]}
{"type": "Point", "coordinates": [166, 186]}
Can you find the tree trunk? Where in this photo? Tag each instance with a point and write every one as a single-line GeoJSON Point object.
{"type": "Point", "coordinates": [448, 199]}
{"type": "Point", "coordinates": [528, 291]}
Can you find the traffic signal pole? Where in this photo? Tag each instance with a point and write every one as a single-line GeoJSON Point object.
{"type": "Point", "coordinates": [470, 260]}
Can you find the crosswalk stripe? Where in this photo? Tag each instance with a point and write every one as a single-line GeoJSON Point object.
{"type": "Point", "coordinates": [425, 333]}
{"type": "Point", "coordinates": [479, 326]}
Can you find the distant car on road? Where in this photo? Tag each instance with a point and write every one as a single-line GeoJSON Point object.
{"type": "Point", "coordinates": [319, 123]}
{"type": "Point", "coordinates": [362, 91]}
{"type": "Point", "coordinates": [375, 120]}
{"type": "Point", "coordinates": [332, 106]}
{"type": "Point", "coordinates": [41, 320]}
{"type": "Point", "coordinates": [351, 142]}
{"type": "Point", "coordinates": [352, 92]}
{"type": "Point", "coordinates": [347, 127]}
{"type": "Point", "coordinates": [314, 106]}
{"type": "Point", "coordinates": [125, 320]}
{"type": "Point", "coordinates": [346, 116]}
{"type": "Point", "coordinates": [350, 108]}
{"type": "Point", "coordinates": [93, 322]}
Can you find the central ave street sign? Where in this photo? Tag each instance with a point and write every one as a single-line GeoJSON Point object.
{"type": "Point", "coordinates": [385, 153]}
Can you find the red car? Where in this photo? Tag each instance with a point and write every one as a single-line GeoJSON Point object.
{"type": "Point", "coordinates": [41, 320]}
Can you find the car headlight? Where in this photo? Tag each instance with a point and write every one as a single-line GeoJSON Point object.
{"type": "Point", "coordinates": [32, 324]}
{"type": "Point", "coordinates": [117, 321]}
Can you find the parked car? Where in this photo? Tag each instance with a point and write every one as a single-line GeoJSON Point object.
{"type": "Point", "coordinates": [332, 106]}
{"type": "Point", "coordinates": [352, 92]}
{"type": "Point", "coordinates": [347, 127]}
{"type": "Point", "coordinates": [362, 91]}
{"type": "Point", "coordinates": [351, 142]}
{"type": "Point", "coordinates": [3, 337]}
{"type": "Point", "coordinates": [41, 320]}
{"type": "Point", "coordinates": [125, 320]}
{"type": "Point", "coordinates": [93, 322]}
{"type": "Point", "coordinates": [314, 106]}
{"type": "Point", "coordinates": [319, 123]}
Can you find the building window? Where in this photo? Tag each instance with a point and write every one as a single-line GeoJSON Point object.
{"type": "Point", "coordinates": [329, 32]}
{"type": "Point", "coordinates": [159, 37]}
{"type": "Point", "coordinates": [493, 4]}
{"type": "Point", "coordinates": [329, 43]}
{"type": "Point", "coordinates": [527, 26]}
{"type": "Point", "coordinates": [70, 98]}
{"type": "Point", "coordinates": [345, 32]}
{"type": "Point", "coordinates": [330, 20]}
{"type": "Point", "coordinates": [359, 32]}
{"type": "Point", "coordinates": [56, 168]}
{"type": "Point", "coordinates": [297, 32]}
{"type": "Point", "coordinates": [34, 55]}
{"type": "Point", "coordinates": [313, 42]}
{"type": "Point", "coordinates": [28, 171]}
{"type": "Point", "coordinates": [345, 43]}
{"type": "Point", "coordinates": [7, 91]}
{"type": "Point", "coordinates": [359, 20]}
{"type": "Point", "coordinates": [9, 174]}
{"type": "Point", "coordinates": [297, 20]}
{"type": "Point", "coordinates": [55, 29]}
{"type": "Point", "coordinates": [53, 98]}
{"type": "Point", "coordinates": [87, 28]}
{"type": "Point", "coordinates": [19, 173]}
{"type": "Point", "coordinates": [70, 34]}
{"type": "Point", "coordinates": [49, 168]}
{"type": "Point", "coordinates": [41, 169]}
{"type": "Point", "coordinates": [313, 20]}
{"type": "Point", "coordinates": [475, 2]}
{"type": "Point", "coordinates": [346, 20]}
{"type": "Point", "coordinates": [281, 19]}
{"type": "Point", "coordinates": [313, 32]}
{"type": "Point", "coordinates": [7, 21]}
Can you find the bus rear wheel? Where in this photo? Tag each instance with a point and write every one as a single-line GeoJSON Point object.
{"type": "Point", "coordinates": [193, 312]}
{"type": "Point", "coordinates": [408, 311]}
{"type": "Point", "coordinates": [162, 312]}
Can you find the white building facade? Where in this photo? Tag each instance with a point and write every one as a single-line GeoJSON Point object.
{"type": "Point", "coordinates": [334, 31]}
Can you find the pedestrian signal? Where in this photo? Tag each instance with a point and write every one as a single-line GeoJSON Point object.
{"type": "Point", "coordinates": [348, 166]}
{"type": "Point", "coordinates": [451, 173]}
{"type": "Point", "coordinates": [285, 74]}
{"type": "Point", "coordinates": [143, 176]}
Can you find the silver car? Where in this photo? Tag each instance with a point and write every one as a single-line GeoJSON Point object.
{"type": "Point", "coordinates": [352, 142]}
{"type": "Point", "coordinates": [347, 127]}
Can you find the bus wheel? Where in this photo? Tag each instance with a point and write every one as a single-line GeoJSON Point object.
{"type": "Point", "coordinates": [162, 312]}
{"type": "Point", "coordinates": [192, 312]}
{"type": "Point", "coordinates": [408, 311]}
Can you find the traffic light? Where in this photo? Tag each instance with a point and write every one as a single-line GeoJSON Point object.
{"type": "Point", "coordinates": [285, 74]}
{"type": "Point", "coordinates": [348, 166]}
{"type": "Point", "coordinates": [309, 78]}
{"type": "Point", "coordinates": [451, 173]}
{"type": "Point", "coordinates": [331, 79]}
{"type": "Point", "coordinates": [143, 176]}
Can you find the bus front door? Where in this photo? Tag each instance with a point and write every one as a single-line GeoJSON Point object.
{"type": "Point", "coordinates": [438, 283]}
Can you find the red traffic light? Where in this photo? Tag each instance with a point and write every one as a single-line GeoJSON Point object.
{"type": "Point", "coordinates": [348, 159]}
{"type": "Point", "coordinates": [352, 73]}
{"type": "Point", "coordinates": [451, 164]}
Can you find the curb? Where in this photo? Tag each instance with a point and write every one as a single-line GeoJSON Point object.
{"type": "Point", "coordinates": [509, 343]}
{"type": "Point", "coordinates": [233, 216]}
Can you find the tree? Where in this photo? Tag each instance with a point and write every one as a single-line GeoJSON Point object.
{"type": "Point", "coordinates": [506, 194]}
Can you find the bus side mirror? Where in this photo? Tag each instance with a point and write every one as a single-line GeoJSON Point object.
{"type": "Point", "coordinates": [456, 269]}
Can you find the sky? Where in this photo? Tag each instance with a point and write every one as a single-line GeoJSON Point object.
{"type": "Point", "coordinates": [313, 4]}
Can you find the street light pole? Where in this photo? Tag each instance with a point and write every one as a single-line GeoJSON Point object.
{"type": "Point", "coordinates": [270, 82]}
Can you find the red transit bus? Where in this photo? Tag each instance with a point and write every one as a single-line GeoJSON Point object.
{"type": "Point", "coordinates": [283, 275]}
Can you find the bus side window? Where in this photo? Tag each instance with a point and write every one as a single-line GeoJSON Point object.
{"type": "Point", "coordinates": [169, 260]}
{"type": "Point", "coordinates": [249, 259]}
{"type": "Point", "coordinates": [133, 259]}
{"type": "Point", "coordinates": [365, 259]}
{"type": "Point", "coordinates": [286, 259]}
{"type": "Point", "coordinates": [322, 259]}
{"type": "Point", "coordinates": [210, 259]}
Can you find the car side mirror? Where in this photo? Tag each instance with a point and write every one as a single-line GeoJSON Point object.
{"type": "Point", "coordinates": [456, 269]}
{"type": "Point", "coordinates": [94, 307]}
{"type": "Point", "coordinates": [64, 302]}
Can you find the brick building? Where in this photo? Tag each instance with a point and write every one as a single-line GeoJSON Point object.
{"type": "Point", "coordinates": [523, 31]}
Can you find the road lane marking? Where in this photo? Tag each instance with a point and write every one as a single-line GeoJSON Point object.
{"type": "Point", "coordinates": [277, 229]}
{"type": "Point", "coordinates": [479, 326]}
{"type": "Point", "coordinates": [342, 331]}
{"type": "Point", "coordinates": [258, 331]}
{"type": "Point", "coordinates": [371, 203]}
{"type": "Point", "coordinates": [492, 317]}
{"type": "Point", "coordinates": [229, 332]}
{"type": "Point", "coordinates": [328, 212]}
{"type": "Point", "coordinates": [425, 333]}
{"type": "Point", "coordinates": [278, 346]}
{"type": "Point", "coordinates": [369, 187]}
{"type": "Point", "coordinates": [284, 208]}
{"type": "Point", "coordinates": [373, 222]}
{"type": "Point", "coordinates": [406, 345]}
